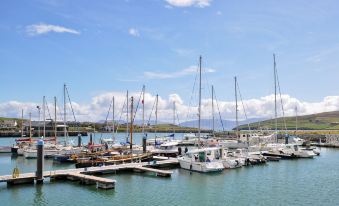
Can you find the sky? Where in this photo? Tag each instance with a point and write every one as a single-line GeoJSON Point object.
{"type": "Point", "coordinates": [104, 48]}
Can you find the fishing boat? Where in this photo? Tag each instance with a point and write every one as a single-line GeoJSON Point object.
{"type": "Point", "coordinates": [201, 160]}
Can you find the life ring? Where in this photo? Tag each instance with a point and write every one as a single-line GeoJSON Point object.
{"type": "Point", "coordinates": [15, 173]}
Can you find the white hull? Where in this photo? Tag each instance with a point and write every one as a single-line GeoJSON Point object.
{"type": "Point", "coordinates": [232, 163]}
{"type": "Point", "coordinates": [306, 154]}
{"type": "Point", "coordinates": [30, 154]}
{"type": "Point", "coordinates": [200, 166]}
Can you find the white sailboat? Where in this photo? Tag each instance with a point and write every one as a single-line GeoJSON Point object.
{"type": "Point", "coordinates": [205, 159]}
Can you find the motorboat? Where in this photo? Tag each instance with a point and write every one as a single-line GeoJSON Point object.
{"type": "Point", "coordinates": [202, 160]}
{"type": "Point", "coordinates": [157, 141]}
{"type": "Point", "coordinates": [288, 151]}
{"type": "Point", "coordinates": [189, 139]}
{"type": "Point", "coordinates": [167, 149]}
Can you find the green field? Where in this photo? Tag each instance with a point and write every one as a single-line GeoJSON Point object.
{"type": "Point", "coordinates": [320, 121]}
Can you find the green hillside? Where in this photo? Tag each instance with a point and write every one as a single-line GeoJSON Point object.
{"type": "Point", "coordinates": [6, 118]}
{"type": "Point", "coordinates": [320, 121]}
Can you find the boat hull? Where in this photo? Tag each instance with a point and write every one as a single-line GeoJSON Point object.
{"type": "Point", "coordinates": [201, 166]}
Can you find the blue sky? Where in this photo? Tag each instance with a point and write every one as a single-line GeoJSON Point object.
{"type": "Point", "coordinates": [117, 45]}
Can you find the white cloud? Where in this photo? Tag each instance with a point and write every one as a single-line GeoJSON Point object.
{"type": "Point", "coordinates": [166, 75]}
{"type": "Point", "coordinates": [188, 3]}
{"type": "Point", "coordinates": [134, 32]}
{"type": "Point", "coordinates": [97, 108]}
{"type": "Point", "coordinates": [38, 29]}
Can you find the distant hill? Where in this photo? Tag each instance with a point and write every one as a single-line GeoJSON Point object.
{"type": "Point", "coordinates": [205, 123]}
{"type": "Point", "coordinates": [319, 121]}
{"type": "Point", "coordinates": [8, 118]}
{"type": "Point", "coordinates": [228, 124]}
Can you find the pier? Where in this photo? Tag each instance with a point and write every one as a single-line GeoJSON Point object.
{"type": "Point", "coordinates": [86, 175]}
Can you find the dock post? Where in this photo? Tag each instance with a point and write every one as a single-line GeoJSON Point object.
{"type": "Point", "coordinates": [144, 144]}
{"type": "Point", "coordinates": [79, 140]}
{"type": "Point", "coordinates": [40, 162]}
{"type": "Point", "coordinates": [286, 138]}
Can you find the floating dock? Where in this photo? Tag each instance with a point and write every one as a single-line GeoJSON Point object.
{"type": "Point", "coordinates": [86, 175]}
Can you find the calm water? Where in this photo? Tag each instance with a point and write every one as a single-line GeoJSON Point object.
{"type": "Point", "coordinates": [290, 182]}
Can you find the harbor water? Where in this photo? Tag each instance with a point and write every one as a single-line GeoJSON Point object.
{"type": "Point", "coordinates": [287, 182]}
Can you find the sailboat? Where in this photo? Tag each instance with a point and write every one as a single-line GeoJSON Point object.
{"type": "Point", "coordinates": [156, 141]}
{"type": "Point", "coordinates": [117, 158]}
{"type": "Point", "coordinates": [287, 150]}
{"type": "Point", "coordinates": [201, 159]}
{"type": "Point", "coordinates": [168, 148]}
{"type": "Point", "coordinates": [237, 142]}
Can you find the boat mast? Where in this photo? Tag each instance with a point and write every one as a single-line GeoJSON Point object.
{"type": "Point", "coordinates": [143, 110]}
{"type": "Point", "coordinates": [296, 119]}
{"type": "Point", "coordinates": [275, 99]}
{"type": "Point", "coordinates": [199, 109]}
{"type": "Point", "coordinates": [22, 123]}
{"type": "Point", "coordinates": [127, 105]}
{"type": "Point", "coordinates": [30, 127]}
{"type": "Point", "coordinates": [113, 123]}
{"type": "Point", "coordinates": [236, 107]}
{"type": "Point", "coordinates": [131, 129]}
{"type": "Point", "coordinates": [44, 115]}
{"type": "Point", "coordinates": [173, 118]}
{"type": "Point", "coordinates": [156, 119]}
{"type": "Point", "coordinates": [65, 129]}
{"type": "Point", "coordinates": [55, 119]}
{"type": "Point", "coordinates": [213, 110]}
{"type": "Point", "coordinates": [39, 122]}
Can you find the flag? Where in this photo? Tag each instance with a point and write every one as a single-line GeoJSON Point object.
{"type": "Point", "coordinates": [142, 101]}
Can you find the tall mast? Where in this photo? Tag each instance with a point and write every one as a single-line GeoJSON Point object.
{"type": "Point", "coordinates": [39, 112]}
{"type": "Point", "coordinates": [131, 129]}
{"type": "Point", "coordinates": [236, 107]}
{"type": "Point", "coordinates": [22, 123]}
{"type": "Point", "coordinates": [296, 119]}
{"type": "Point", "coordinates": [30, 127]}
{"type": "Point", "coordinates": [127, 105]}
{"type": "Point", "coordinates": [55, 119]}
{"type": "Point", "coordinates": [275, 98]}
{"type": "Point", "coordinates": [213, 110]}
{"type": "Point", "coordinates": [65, 129]}
{"type": "Point", "coordinates": [156, 119]}
{"type": "Point", "coordinates": [44, 115]}
{"type": "Point", "coordinates": [199, 109]}
{"type": "Point", "coordinates": [143, 110]}
{"type": "Point", "coordinates": [173, 118]}
{"type": "Point", "coordinates": [113, 123]}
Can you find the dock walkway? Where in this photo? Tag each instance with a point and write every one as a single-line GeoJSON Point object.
{"type": "Point", "coordinates": [85, 175]}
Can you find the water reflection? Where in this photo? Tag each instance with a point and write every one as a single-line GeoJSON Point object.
{"type": "Point", "coordinates": [39, 196]}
